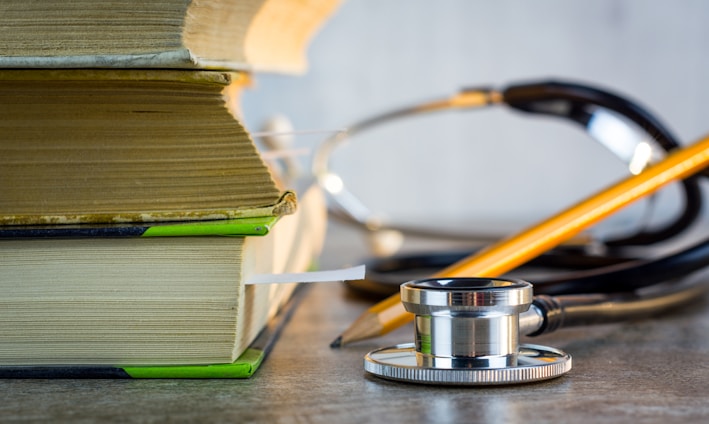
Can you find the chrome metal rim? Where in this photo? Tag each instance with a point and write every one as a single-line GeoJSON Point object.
{"type": "Point", "coordinates": [534, 363]}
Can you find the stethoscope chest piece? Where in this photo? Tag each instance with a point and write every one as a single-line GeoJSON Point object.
{"type": "Point", "coordinates": [467, 333]}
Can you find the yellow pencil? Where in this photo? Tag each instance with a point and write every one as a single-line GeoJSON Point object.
{"type": "Point", "coordinates": [514, 251]}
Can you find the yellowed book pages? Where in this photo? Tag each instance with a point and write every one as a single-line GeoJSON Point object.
{"type": "Point", "coordinates": [261, 35]}
{"type": "Point", "coordinates": [102, 146]}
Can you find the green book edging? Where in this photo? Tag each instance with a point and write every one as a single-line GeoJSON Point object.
{"type": "Point", "coordinates": [230, 227]}
{"type": "Point", "coordinates": [256, 226]}
{"type": "Point", "coordinates": [244, 367]}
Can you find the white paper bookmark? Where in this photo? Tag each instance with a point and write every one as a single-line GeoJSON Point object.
{"type": "Point", "coordinates": [345, 274]}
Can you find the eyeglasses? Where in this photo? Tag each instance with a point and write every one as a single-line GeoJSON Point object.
{"type": "Point", "coordinates": [624, 127]}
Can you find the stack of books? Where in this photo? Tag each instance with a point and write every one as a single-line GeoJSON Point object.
{"type": "Point", "coordinates": [133, 202]}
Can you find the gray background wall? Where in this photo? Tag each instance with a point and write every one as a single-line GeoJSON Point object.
{"type": "Point", "coordinates": [491, 166]}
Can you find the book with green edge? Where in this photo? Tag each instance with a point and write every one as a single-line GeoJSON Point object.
{"type": "Point", "coordinates": [163, 300]}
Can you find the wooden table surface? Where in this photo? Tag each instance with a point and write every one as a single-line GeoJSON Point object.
{"type": "Point", "coordinates": [647, 371]}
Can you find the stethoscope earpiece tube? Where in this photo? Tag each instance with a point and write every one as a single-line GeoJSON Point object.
{"type": "Point", "coordinates": [541, 97]}
{"type": "Point", "coordinates": [591, 273]}
{"type": "Point", "coordinates": [630, 275]}
{"type": "Point", "coordinates": [575, 102]}
{"type": "Point", "coordinates": [551, 313]}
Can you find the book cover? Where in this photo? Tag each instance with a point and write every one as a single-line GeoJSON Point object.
{"type": "Point", "coordinates": [290, 244]}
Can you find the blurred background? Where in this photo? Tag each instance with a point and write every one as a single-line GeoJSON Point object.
{"type": "Point", "coordinates": [490, 167]}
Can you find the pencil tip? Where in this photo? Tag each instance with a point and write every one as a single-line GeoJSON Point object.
{"type": "Point", "coordinates": [336, 343]}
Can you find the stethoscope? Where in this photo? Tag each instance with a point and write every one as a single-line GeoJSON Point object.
{"type": "Point", "coordinates": [467, 330]}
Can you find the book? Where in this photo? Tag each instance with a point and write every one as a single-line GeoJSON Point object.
{"type": "Point", "coordinates": [109, 146]}
{"type": "Point", "coordinates": [253, 35]}
{"type": "Point", "coordinates": [154, 303]}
